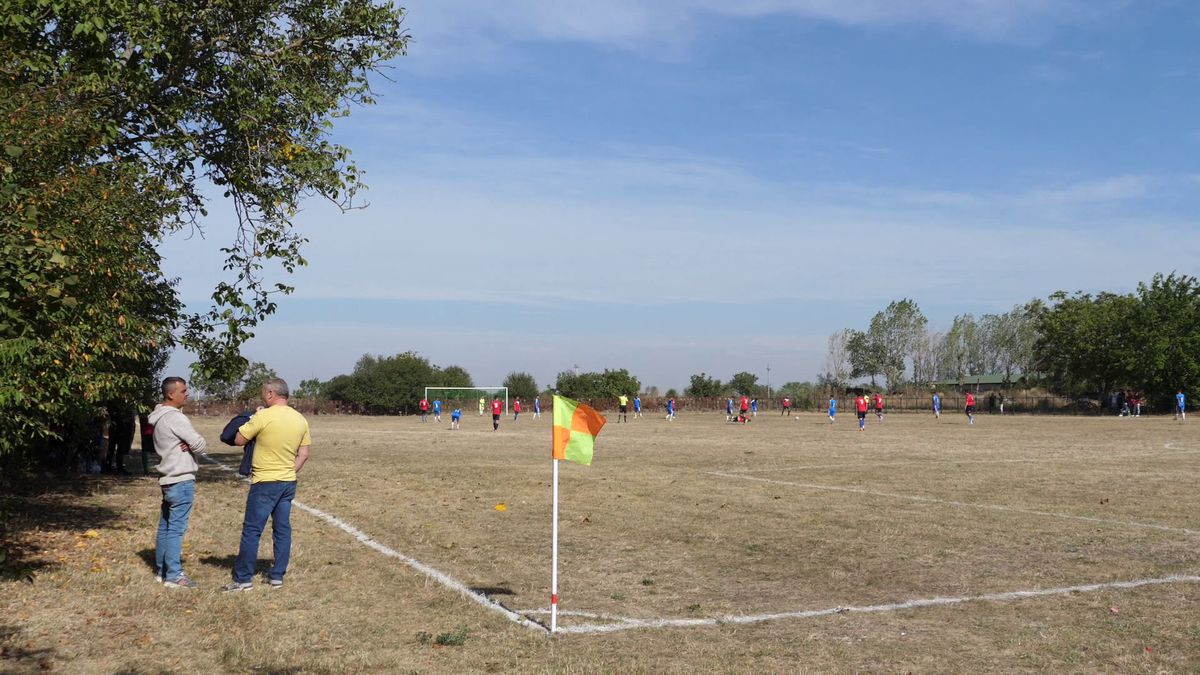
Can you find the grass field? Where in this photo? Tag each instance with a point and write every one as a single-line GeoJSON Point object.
{"type": "Point", "coordinates": [785, 545]}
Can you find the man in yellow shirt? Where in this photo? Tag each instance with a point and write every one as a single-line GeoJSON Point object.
{"type": "Point", "coordinates": [280, 451]}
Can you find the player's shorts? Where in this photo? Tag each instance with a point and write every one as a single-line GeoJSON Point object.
{"type": "Point", "coordinates": [623, 408]}
{"type": "Point", "coordinates": [862, 414]}
{"type": "Point", "coordinates": [970, 410]}
{"type": "Point", "coordinates": [878, 410]}
{"type": "Point", "coordinates": [832, 413]}
{"type": "Point", "coordinates": [495, 417]}
{"type": "Point", "coordinates": [455, 417]}
{"type": "Point", "coordinates": [745, 410]}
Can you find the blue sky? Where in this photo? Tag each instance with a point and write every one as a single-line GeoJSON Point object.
{"type": "Point", "coordinates": [684, 186]}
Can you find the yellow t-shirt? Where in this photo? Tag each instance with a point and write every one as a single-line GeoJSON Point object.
{"type": "Point", "coordinates": [623, 400]}
{"type": "Point", "coordinates": [278, 431]}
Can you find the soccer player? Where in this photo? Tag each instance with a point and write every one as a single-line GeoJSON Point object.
{"type": "Point", "coordinates": [729, 409]}
{"type": "Point", "coordinates": [970, 408]}
{"type": "Point", "coordinates": [537, 407]}
{"type": "Point", "coordinates": [623, 408]}
{"type": "Point", "coordinates": [437, 409]}
{"type": "Point", "coordinates": [860, 407]}
{"type": "Point", "coordinates": [497, 411]}
{"type": "Point", "coordinates": [424, 405]}
{"type": "Point", "coordinates": [671, 409]}
{"type": "Point", "coordinates": [482, 402]}
{"type": "Point", "coordinates": [516, 409]}
{"type": "Point", "coordinates": [754, 407]}
{"type": "Point", "coordinates": [744, 407]}
{"type": "Point", "coordinates": [637, 406]}
{"type": "Point", "coordinates": [832, 409]}
{"type": "Point", "coordinates": [787, 407]}
{"type": "Point", "coordinates": [455, 416]}
{"type": "Point", "coordinates": [937, 406]}
{"type": "Point", "coordinates": [1180, 400]}
{"type": "Point", "coordinates": [878, 407]}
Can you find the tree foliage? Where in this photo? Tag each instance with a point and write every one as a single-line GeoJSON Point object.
{"type": "Point", "coordinates": [745, 384]}
{"type": "Point", "coordinates": [703, 386]}
{"type": "Point", "coordinates": [590, 386]}
{"type": "Point", "coordinates": [521, 385]}
{"type": "Point", "coordinates": [1148, 341]}
{"type": "Point", "coordinates": [391, 384]}
{"type": "Point", "coordinates": [115, 118]}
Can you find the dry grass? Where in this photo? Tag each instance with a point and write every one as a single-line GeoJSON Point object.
{"type": "Point", "coordinates": [806, 517]}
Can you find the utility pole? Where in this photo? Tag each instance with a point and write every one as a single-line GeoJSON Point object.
{"type": "Point", "coordinates": [768, 381]}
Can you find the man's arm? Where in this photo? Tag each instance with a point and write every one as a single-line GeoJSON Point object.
{"type": "Point", "coordinates": [240, 439]}
{"type": "Point", "coordinates": [301, 457]}
{"type": "Point", "coordinates": [190, 437]}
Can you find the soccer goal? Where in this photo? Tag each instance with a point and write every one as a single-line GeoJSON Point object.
{"type": "Point", "coordinates": [468, 398]}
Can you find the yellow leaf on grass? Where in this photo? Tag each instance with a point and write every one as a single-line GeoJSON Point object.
{"type": "Point", "coordinates": [501, 507]}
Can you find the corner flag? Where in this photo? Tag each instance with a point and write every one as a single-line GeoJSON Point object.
{"type": "Point", "coordinates": [575, 428]}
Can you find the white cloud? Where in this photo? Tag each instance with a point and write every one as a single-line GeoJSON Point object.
{"type": "Point", "coordinates": [483, 32]}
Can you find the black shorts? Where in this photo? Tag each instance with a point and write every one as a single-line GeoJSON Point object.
{"type": "Point", "coordinates": [970, 410]}
{"type": "Point", "coordinates": [495, 417]}
{"type": "Point", "coordinates": [862, 414]}
{"type": "Point", "coordinates": [878, 411]}
{"type": "Point", "coordinates": [623, 408]}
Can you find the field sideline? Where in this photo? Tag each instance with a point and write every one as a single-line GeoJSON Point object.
{"type": "Point", "coordinates": [1019, 544]}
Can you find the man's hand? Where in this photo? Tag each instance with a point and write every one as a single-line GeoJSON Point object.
{"type": "Point", "coordinates": [185, 447]}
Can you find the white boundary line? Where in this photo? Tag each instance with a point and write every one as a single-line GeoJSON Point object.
{"type": "Point", "coordinates": [628, 623]}
{"type": "Point", "coordinates": [951, 502]}
{"type": "Point", "coordinates": [440, 577]}
{"type": "Point", "coordinates": [937, 462]}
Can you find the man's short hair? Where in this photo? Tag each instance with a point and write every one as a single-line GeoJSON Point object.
{"type": "Point", "coordinates": [168, 385]}
{"type": "Point", "coordinates": [278, 386]}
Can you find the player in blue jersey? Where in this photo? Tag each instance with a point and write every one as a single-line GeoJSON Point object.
{"type": "Point", "coordinates": [455, 416]}
{"type": "Point", "coordinates": [937, 405]}
{"type": "Point", "coordinates": [671, 409]}
{"type": "Point", "coordinates": [832, 409]}
{"type": "Point", "coordinates": [537, 407]}
{"type": "Point", "coordinates": [1180, 403]}
{"type": "Point", "coordinates": [729, 409]}
{"type": "Point", "coordinates": [437, 409]}
{"type": "Point", "coordinates": [637, 406]}
{"type": "Point", "coordinates": [754, 407]}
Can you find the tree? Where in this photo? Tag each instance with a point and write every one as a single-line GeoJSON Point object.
{"type": "Point", "coordinates": [589, 386]}
{"type": "Point", "coordinates": [837, 362]}
{"type": "Point", "coordinates": [312, 388]}
{"type": "Point", "coordinates": [894, 334]}
{"type": "Point", "coordinates": [454, 376]}
{"type": "Point", "coordinates": [384, 384]}
{"type": "Point", "coordinates": [521, 385]}
{"type": "Point", "coordinates": [745, 384]}
{"type": "Point", "coordinates": [1165, 328]}
{"type": "Point", "coordinates": [257, 374]}
{"type": "Point", "coordinates": [1083, 342]}
{"type": "Point", "coordinates": [862, 355]}
{"type": "Point", "coordinates": [703, 386]}
{"type": "Point", "coordinates": [115, 116]}
{"type": "Point", "coordinates": [222, 386]}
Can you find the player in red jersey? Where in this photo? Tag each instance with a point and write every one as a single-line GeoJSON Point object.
{"type": "Point", "coordinates": [860, 407]}
{"type": "Point", "coordinates": [878, 407]}
{"type": "Point", "coordinates": [497, 411]}
{"type": "Point", "coordinates": [424, 406]}
{"type": "Point", "coordinates": [970, 408]}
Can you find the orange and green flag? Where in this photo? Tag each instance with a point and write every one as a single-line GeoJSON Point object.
{"type": "Point", "coordinates": [575, 428]}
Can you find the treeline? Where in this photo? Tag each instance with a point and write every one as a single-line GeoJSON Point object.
{"type": "Point", "coordinates": [1076, 344]}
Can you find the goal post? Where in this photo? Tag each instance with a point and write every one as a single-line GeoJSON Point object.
{"type": "Point", "coordinates": [467, 398]}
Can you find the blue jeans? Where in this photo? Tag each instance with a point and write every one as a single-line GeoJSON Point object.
{"type": "Point", "coordinates": [172, 523]}
{"type": "Point", "coordinates": [267, 499]}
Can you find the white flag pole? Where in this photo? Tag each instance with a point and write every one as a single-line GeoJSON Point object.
{"type": "Point", "coordinates": [554, 554]}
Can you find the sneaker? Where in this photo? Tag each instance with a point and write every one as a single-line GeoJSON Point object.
{"type": "Point", "coordinates": [237, 586]}
{"type": "Point", "coordinates": [181, 581]}
{"type": "Point", "coordinates": [275, 583]}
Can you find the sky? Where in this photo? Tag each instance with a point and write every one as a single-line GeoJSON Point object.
{"type": "Point", "coordinates": [686, 186]}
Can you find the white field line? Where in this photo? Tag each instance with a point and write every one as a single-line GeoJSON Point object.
{"type": "Point", "coordinates": [440, 577]}
{"type": "Point", "coordinates": [936, 462]}
{"type": "Point", "coordinates": [627, 623]}
{"type": "Point", "coordinates": [951, 502]}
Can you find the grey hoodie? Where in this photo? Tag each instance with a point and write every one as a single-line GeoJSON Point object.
{"type": "Point", "coordinates": [172, 429]}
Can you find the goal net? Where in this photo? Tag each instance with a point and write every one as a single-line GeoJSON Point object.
{"type": "Point", "coordinates": [468, 399]}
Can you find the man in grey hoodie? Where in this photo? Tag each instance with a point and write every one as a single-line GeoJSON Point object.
{"type": "Point", "coordinates": [175, 439]}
